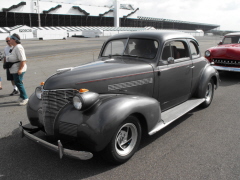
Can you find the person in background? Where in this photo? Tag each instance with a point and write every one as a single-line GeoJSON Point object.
{"type": "Point", "coordinates": [0, 83]}
{"type": "Point", "coordinates": [18, 69]}
{"type": "Point", "coordinates": [7, 50]}
{"type": "Point", "coordinates": [0, 77]}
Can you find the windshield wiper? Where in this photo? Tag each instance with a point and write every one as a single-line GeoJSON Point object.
{"type": "Point", "coordinates": [130, 55]}
{"type": "Point", "coordinates": [110, 55]}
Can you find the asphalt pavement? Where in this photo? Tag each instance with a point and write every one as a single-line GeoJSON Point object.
{"type": "Point", "coordinates": [203, 144]}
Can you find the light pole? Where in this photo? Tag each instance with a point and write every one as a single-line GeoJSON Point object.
{"type": "Point", "coordinates": [116, 13]}
{"type": "Point", "coordinates": [39, 18]}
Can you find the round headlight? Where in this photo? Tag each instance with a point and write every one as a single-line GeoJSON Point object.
{"type": "Point", "coordinates": [38, 92]}
{"type": "Point", "coordinates": [207, 53]}
{"type": "Point", "coordinates": [83, 101]}
{"type": "Point", "coordinates": [77, 102]}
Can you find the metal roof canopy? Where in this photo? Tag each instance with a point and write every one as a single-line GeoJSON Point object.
{"type": "Point", "coordinates": [175, 21]}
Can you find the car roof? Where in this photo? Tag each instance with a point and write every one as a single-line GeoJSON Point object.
{"type": "Point", "coordinates": [160, 35]}
{"type": "Point", "coordinates": [233, 34]}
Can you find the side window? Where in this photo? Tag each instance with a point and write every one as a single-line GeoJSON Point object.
{"type": "Point", "coordinates": [144, 48]}
{"type": "Point", "coordinates": [175, 49]}
{"type": "Point", "coordinates": [131, 45]}
{"type": "Point", "coordinates": [166, 52]}
{"type": "Point", "coordinates": [235, 40]}
{"type": "Point", "coordinates": [194, 49]}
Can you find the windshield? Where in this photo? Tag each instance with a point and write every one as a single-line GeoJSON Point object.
{"type": "Point", "coordinates": [142, 48]}
{"type": "Point", "coordinates": [231, 40]}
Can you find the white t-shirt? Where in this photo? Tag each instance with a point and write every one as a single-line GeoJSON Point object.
{"type": "Point", "coordinates": [17, 54]}
{"type": "Point", "coordinates": [6, 51]}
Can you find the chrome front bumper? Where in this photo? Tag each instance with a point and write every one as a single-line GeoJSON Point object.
{"type": "Point", "coordinates": [222, 68]}
{"type": "Point", "coordinates": [82, 155]}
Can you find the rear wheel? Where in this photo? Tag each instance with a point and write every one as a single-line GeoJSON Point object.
{"type": "Point", "coordinates": [125, 141]}
{"type": "Point", "coordinates": [208, 94]}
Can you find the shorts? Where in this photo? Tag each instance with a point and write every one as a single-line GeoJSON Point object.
{"type": "Point", "coordinates": [9, 76]}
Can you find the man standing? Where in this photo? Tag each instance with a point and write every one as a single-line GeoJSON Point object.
{"type": "Point", "coordinates": [7, 50]}
{"type": "Point", "coordinates": [18, 69]}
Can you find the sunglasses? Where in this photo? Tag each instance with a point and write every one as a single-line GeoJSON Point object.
{"type": "Point", "coordinates": [7, 40]}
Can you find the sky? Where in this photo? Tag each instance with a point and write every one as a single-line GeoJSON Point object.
{"type": "Point", "coordinates": [220, 12]}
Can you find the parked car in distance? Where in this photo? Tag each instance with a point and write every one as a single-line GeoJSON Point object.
{"type": "Point", "coordinates": [226, 56]}
{"type": "Point", "coordinates": [141, 82]}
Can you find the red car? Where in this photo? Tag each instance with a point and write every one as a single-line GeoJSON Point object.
{"type": "Point", "coordinates": [226, 56]}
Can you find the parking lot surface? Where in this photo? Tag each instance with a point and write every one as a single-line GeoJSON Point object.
{"type": "Point", "coordinates": [203, 144]}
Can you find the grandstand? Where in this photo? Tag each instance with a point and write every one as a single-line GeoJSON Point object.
{"type": "Point", "coordinates": [36, 14]}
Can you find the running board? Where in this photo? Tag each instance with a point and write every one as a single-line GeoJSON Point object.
{"type": "Point", "coordinates": [173, 114]}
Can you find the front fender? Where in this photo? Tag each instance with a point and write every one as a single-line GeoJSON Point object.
{"type": "Point", "coordinates": [33, 106]}
{"type": "Point", "coordinates": [208, 73]}
{"type": "Point", "coordinates": [97, 125]}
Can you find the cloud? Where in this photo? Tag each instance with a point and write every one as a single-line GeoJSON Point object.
{"type": "Point", "coordinates": [230, 6]}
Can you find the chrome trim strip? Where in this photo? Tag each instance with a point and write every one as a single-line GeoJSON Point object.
{"type": "Point", "coordinates": [221, 68]}
{"type": "Point", "coordinates": [115, 77]}
{"type": "Point", "coordinates": [60, 90]}
{"type": "Point", "coordinates": [130, 84]}
{"type": "Point", "coordinates": [64, 70]}
{"type": "Point", "coordinates": [82, 155]}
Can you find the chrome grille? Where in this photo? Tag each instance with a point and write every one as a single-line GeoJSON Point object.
{"type": "Point", "coordinates": [226, 62]}
{"type": "Point", "coordinates": [68, 129]}
{"type": "Point", "coordinates": [52, 102]}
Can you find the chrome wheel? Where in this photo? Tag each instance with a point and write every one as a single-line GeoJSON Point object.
{"type": "Point", "coordinates": [124, 142]}
{"type": "Point", "coordinates": [126, 139]}
{"type": "Point", "coordinates": [209, 92]}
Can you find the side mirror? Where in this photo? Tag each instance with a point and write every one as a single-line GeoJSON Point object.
{"type": "Point", "coordinates": [170, 60]}
{"type": "Point", "coordinates": [220, 43]}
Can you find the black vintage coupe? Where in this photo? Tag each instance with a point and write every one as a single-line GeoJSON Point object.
{"type": "Point", "coordinates": [142, 82]}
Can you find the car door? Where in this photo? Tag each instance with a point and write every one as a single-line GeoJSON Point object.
{"type": "Point", "coordinates": [198, 61]}
{"type": "Point", "coordinates": [175, 74]}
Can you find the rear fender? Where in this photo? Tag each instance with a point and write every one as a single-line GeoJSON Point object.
{"type": "Point", "coordinates": [208, 73]}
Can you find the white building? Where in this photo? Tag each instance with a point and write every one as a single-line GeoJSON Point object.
{"type": "Point", "coordinates": [25, 32]}
{"type": "Point", "coordinates": [76, 18]}
{"type": "Point", "coordinates": [43, 9]}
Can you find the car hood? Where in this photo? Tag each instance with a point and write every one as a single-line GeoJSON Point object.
{"type": "Point", "coordinates": [229, 45]}
{"type": "Point", "coordinates": [226, 51]}
{"type": "Point", "coordinates": [103, 76]}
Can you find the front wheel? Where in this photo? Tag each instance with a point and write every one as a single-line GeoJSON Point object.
{"type": "Point", "coordinates": [208, 94]}
{"type": "Point", "coordinates": [125, 141]}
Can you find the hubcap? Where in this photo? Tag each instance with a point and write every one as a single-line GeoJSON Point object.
{"type": "Point", "coordinates": [209, 92]}
{"type": "Point", "coordinates": [126, 139]}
